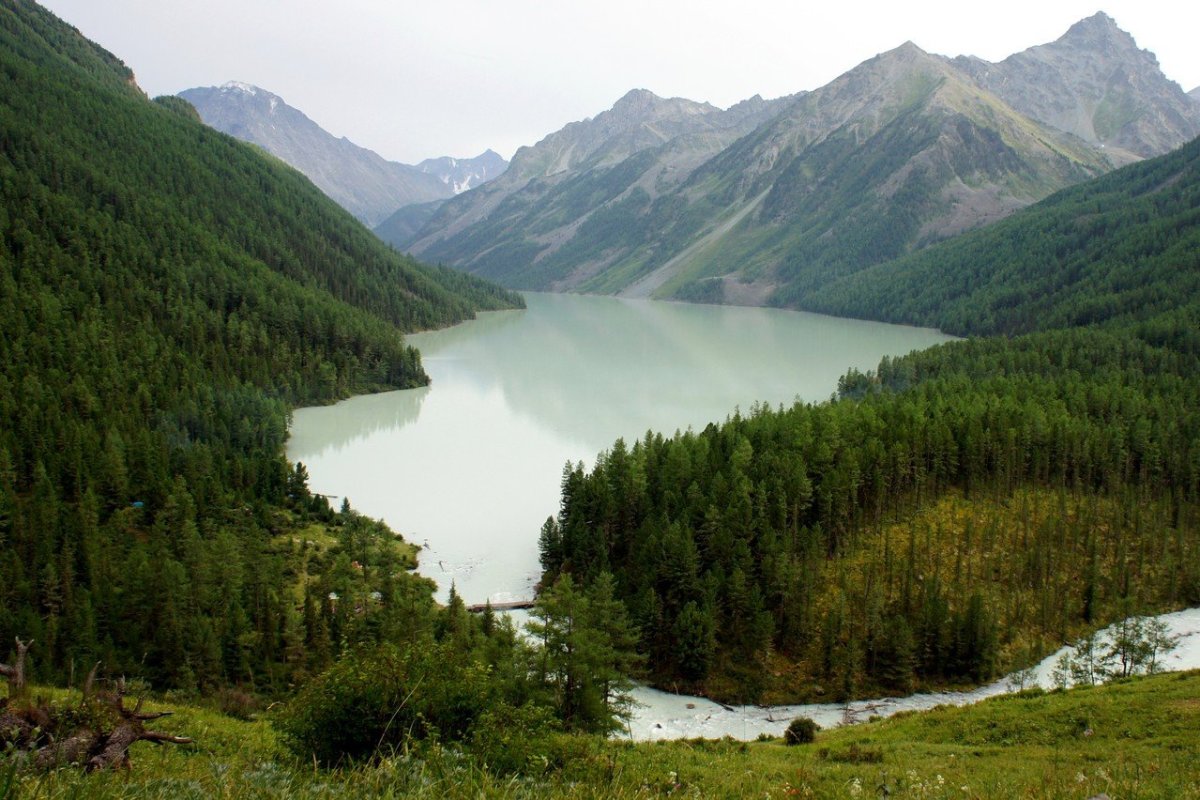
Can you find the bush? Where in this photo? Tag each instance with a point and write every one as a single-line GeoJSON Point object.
{"type": "Point", "coordinates": [383, 699]}
{"type": "Point", "coordinates": [518, 740]}
{"type": "Point", "coordinates": [237, 703]}
{"type": "Point", "coordinates": [802, 730]}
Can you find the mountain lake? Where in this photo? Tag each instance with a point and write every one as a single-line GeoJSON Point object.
{"type": "Point", "coordinates": [469, 467]}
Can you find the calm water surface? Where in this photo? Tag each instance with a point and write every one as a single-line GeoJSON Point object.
{"type": "Point", "coordinates": [470, 466]}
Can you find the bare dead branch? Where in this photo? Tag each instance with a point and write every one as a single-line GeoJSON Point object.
{"type": "Point", "coordinates": [160, 738]}
{"type": "Point", "coordinates": [90, 683]}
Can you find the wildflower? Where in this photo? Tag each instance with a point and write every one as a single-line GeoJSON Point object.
{"type": "Point", "coordinates": [855, 787]}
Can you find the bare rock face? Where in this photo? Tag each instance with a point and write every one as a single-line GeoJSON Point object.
{"type": "Point", "coordinates": [1096, 83]}
{"type": "Point", "coordinates": [359, 180]}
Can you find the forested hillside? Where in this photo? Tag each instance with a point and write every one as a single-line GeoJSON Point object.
{"type": "Point", "coordinates": [1123, 248]}
{"type": "Point", "coordinates": [958, 512]}
{"type": "Point", "coordinates": [166, 294]}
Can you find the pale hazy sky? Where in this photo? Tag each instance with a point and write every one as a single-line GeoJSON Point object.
{"type": "Point", "coordinates": [412, 79]}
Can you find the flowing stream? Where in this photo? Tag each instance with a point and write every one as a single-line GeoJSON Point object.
{"type": "Point", "coordinates": [661, 715]}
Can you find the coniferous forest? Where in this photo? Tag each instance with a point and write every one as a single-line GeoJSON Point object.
{"type": "Point", "coordinates": [167, 295]}
{"type": "Point", "coordinates": [955, 513]}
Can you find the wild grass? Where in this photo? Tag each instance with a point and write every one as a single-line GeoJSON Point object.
{"type": "Point", "coordinates": [1132, 738]}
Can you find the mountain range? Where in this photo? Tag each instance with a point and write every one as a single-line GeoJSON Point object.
{"type": "Point", "coordinates": [772, 199]}
{"type": "Point", "coordinates": [360, 180]}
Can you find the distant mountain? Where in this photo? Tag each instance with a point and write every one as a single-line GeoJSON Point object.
{"type": "Point", "coordinates": [1096, 83]}
{"type": "Point", "coordinates": [902, 150]}
{"type": "Point", "coordinates": [1195, 94]}
{"type": "Point", "coordinates": [360, 180]}
{"type": "Point", "coordinates": [640, 149]}
{"type": "Point", "coordinates": [461, 174]}
{"type": "Point", "coordinates": [899, 152]}
{"type": "Point", "coordinates": [767, 201]}
{"type": "Point", "coordinates": [406, 222]}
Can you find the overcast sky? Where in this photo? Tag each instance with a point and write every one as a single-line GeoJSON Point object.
{"type": "Point", "coordinates": [412, 79]}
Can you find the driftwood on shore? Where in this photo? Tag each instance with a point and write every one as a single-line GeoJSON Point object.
{"type": "Point", "coordinates": [95, 734]}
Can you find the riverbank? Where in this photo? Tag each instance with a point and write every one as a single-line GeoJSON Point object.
{"type": "Point", "coordinates": [660, 715]}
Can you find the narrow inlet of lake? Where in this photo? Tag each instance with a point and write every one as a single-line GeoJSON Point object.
{"type": "Point", "coordinates": [470, 466]}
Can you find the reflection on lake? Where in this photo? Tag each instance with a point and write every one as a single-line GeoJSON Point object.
{"type": "Point", "coordinates": [471, 465]}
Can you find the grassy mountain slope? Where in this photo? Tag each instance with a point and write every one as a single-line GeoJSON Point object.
{"type": "Point", "coordinates": [571, 204]}
{"type": "Point", "coordinates": [165, 294]}
{"type": "Point", "coordinates": [1125, 247]}
{"type": "Point", "coordinates": [899, 152]}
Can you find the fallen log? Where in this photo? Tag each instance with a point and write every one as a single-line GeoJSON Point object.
{"type": "Point", "coordinates": [101, 742]}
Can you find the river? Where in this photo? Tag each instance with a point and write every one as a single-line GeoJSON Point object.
{"type": "Point", "coordinates": [660, 715]}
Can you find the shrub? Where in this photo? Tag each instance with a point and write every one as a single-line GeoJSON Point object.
{"type": "Point", "coordinates": [801, 730]}
{"type": "Point", "coordinates": [509, 739]}
{"type": "Point", "coordinates": [383, 699]}
{"type": "Point", "coordinates": [237, 703]}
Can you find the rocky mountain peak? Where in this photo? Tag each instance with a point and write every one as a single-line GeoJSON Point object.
{"type": "Point", "coordinates": [641, 105]}
{"type": "Point", "coordinates": [908, 50]}
{"type": "Point", "coordinates": [461, 174]}
{"type": "Point", "coordinates": [1097, 29]}
{"type": "Point", "coordinates": [636, 101]}
{"type": "Point", "coordinates": [1096, 83]}
{"type": "Point", "coordinates": [239, 86]}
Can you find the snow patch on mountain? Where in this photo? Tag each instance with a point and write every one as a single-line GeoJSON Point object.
{"type": "Point", "coordinates": [238, 86]}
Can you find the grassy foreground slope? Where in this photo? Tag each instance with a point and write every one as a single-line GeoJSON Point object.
{"type": "Point", "coordinates": [166, 294]}
{"type": "Point", "coordinates": [1133, 738]}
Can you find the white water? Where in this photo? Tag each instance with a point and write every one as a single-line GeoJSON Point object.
{"type": "Point", "coordinates": [661, 715]}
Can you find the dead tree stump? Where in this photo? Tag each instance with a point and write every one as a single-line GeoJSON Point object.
{"type": "Point", "coordinates": [101, 729]}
